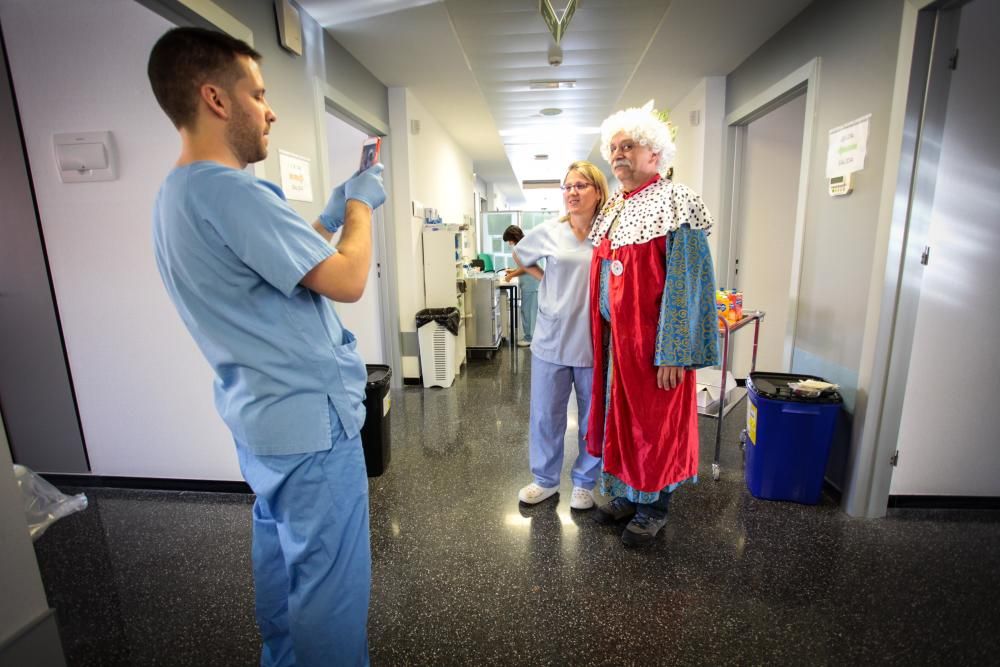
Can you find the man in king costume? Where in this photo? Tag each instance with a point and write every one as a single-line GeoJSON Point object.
{"type": "Point", "coordinates": [653, 323]}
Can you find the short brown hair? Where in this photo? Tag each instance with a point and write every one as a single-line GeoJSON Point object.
{"type": "Point", "coordinates": [184, 59]}
{"type": "Point", "coordinates": [513, 233]}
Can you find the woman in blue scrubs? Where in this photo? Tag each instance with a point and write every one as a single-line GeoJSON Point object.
{"type": "Point", "coordinates": [561, 354]}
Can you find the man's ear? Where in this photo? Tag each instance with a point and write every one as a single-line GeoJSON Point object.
{"type": "Point", "coordinates": [216, 99]}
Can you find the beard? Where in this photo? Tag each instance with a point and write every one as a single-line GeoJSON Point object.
{"type": "Point", "coordinates": [245, 140]}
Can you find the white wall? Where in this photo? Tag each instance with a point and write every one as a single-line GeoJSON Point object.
{"type": "Point", "coordinates": [143, 389]}
{"type": "Point", "coordinates": [431, 170]}
{"type": "Point", "coordinates": [699, 146]}
{"type": "Point", "coordinates": [440, 173]}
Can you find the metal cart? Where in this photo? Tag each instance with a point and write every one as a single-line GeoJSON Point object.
{"type": "Point", "coordinates": [513, 301]}
{"type": "Point", "coordinates": [726, 330]}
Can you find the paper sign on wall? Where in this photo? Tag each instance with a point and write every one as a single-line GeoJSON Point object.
{"type": "Point", "coordinates": [848, 147]}
{"type": "Point", "coordinates": [295, 178]}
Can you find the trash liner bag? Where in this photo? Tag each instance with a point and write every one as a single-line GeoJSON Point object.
{"type": "Point", "coordinates": [446, 317]}
{"type": "Point", "coordinates": [44, 504]}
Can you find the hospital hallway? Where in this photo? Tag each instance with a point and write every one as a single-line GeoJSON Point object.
{"type": "Point", "coordinates": [464, 576]}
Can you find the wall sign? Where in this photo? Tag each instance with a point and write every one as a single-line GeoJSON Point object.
{"type": "Point", "coordinates": [848, 147]}
{"type": "Point", "coordinates": [295, 177]}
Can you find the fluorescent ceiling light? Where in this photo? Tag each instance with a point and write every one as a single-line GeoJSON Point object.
{"type": "Point", "coordinates": [546, 184]}
{"type": "Point", "coordinates": [551, 84]}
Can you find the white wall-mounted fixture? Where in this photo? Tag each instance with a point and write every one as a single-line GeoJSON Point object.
{"type": "Point", "coordinates": [85, 156]}
{"type": "Point", "coordinates": [555, 54]}
{"type": "Point", "coordinates": [289, 26]}
{"type": "Point", "coordinates": [841, 185]}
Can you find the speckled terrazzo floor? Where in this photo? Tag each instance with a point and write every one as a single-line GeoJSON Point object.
{"type": "Point", "coordinates": [464, 576]}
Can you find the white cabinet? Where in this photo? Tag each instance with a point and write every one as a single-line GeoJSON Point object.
{"type": "Point", "coordinates": [443, 245]}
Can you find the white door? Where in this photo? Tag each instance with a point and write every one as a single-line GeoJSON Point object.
{"type": "Point", "coordinates": [949, 424]}
{"type": "Point", "coordinates": [364, 317]}
{"type": "Point", "coordinates": [769, 191]}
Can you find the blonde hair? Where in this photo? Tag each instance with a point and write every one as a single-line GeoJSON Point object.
{"type": "Point", "coordinates": [595, 177]}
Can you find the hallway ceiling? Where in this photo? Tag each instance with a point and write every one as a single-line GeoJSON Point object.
{"type": "Point", "coordinates": [470, 64]}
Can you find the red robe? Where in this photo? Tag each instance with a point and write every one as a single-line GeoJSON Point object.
{"type": "Point", "coordinates": [650, 437]}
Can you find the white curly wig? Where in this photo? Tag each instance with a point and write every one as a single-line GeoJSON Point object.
{"type": "Point", "coordinates": [644, 126]}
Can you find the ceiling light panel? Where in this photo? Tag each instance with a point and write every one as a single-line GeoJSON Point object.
{"type": "Point", "coordinates": [507, 45]}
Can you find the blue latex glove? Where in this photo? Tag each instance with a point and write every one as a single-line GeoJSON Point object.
{"type": "Point", "coordinates": [367, 187]}
{"type": "Point", "coordinates": [332, 217]}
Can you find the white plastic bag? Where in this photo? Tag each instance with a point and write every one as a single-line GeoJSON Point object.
{"type": "Point", "coordinates": [44, 504]}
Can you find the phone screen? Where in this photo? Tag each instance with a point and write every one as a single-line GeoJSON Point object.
{"type": "Point", "coordinates": [369, 152]}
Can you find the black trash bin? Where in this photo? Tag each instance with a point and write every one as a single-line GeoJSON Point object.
{"type": "Point", "coordinates": [375, 433]}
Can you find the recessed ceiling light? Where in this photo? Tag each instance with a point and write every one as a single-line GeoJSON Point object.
{"type": "Point", "coordinates": [550, 111]}
{"type": "Point", "coordinates": [551, 84]}
{"type": "Point", "coordinates": [541, 156]}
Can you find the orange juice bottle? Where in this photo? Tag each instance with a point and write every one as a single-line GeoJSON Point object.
{"type": "Point", "coordinates": [722, 304]}
{"type": "Point", "coordinates": [739, 305]}
{"type": "Point", "coordinates": [731, 314]}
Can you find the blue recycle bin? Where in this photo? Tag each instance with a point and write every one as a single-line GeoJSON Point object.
{"type": "Point", "coordinates": [788, 438]}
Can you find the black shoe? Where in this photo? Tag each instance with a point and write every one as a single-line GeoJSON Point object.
{"type": "Point", "coordinates": [617, 510]}
{"type": "Point", "coordinates": [642, 529]}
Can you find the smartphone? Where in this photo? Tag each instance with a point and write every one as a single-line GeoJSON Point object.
{"type": "Point", "coordinates": [369, 152]}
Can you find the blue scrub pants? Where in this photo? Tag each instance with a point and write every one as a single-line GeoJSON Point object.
{"type": "Point", "coordinates": [550, 387]}
{"type": "Point", "coordinates": [529, 310]}
{"type": "Point", "coordinates": [311, 553]}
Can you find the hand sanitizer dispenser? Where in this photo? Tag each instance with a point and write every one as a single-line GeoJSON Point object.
{"type": "Point", "coordinates": [85, 156]}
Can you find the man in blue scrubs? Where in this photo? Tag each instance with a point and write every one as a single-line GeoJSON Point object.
{"type": "Point", "coordinates": [251, 280]}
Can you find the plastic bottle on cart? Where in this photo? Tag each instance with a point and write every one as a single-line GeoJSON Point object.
{"type": "Point", "coordinates": [722, 305]}
{"type": "Point", "coordinates": [739, 306]}
{"type": "Point", "coordinates": [731, 314]}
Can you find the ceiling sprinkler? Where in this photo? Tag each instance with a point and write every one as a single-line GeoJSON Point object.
{"type": "Point", "coordinates": [557, 26]}
{"type": "Point", "coordinates": [555, 55]}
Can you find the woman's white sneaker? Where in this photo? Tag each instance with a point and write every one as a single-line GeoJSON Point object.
{"type": "Point", "coordinates": [533, 493]}
{"type": "Point", "coordinates": [582, 499]}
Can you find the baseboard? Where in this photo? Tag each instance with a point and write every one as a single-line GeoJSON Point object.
{"type": "Point", "coordinates": [412, 381]}
{"type": "Point", "coordinates": [37, 644]}
{"type": "Point", "coordinates": [154, 483]}
{"type": "Point", "coordinates": [945, 502]}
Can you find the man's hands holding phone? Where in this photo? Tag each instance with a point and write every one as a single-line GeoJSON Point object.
{"type": "Point", "coordinates": [365, 187]}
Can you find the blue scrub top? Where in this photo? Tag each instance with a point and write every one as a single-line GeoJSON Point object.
{"type": "Point", "coordinates": [231, 253]}
{"type": "Point", "coordinates": [562, 327]}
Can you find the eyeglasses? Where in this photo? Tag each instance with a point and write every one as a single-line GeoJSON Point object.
{"type": "Point", "coordinates": [579, 187]}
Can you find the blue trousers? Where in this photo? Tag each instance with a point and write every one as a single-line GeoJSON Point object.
{"type": "Point", "coordinates": [529, 311]}
{"type": "Point", "coordinates": [550, 387]}
{"type": "Point", "coordinates": [311, 553]}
